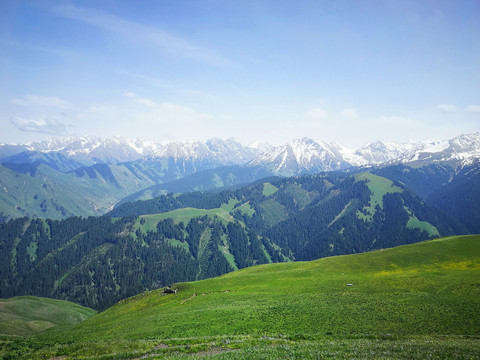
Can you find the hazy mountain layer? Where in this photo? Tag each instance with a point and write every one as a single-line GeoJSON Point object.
{"type": "Point", "coordinates": [50, 179]}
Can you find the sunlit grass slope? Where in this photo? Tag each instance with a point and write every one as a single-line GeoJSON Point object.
{"type": "Point", "coordinates": [426, 288]}
{"type": "Point", "coordinates": [26, 315]}
{"type": "Point", "coordinates": [180, 215]}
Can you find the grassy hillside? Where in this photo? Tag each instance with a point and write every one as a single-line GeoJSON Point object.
{"type": "Point", "coordinates": [379, 187]}
{"type": "Point", "coordinates": [27, 315]}
{"type": "Point", "coordinates": [181, 215]}
{"type": "Point", "coordinates": [54, 194]}
{"type": "Point", "coordinates": [412, 301]}
{"type": "Point", "coordinates": [98, 261]}
{"type": "Point", "coordinates": [428, 279]}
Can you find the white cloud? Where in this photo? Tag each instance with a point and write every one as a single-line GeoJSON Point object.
{"type": "Point", "coordinates": [129, 94]}
{"type": "Point", "coordinates": [140, 100]}
{"type": "Point", "coordinates": [393, 121]}
{"type": "Point", "coordinates": [227, 117]}
{"type": "Point", "coordinates": [349, 113]}
{"type": "Point", "coordinates": [42, 101]}
{"type": "Point", "coordinates": [447, 107]}
{"type": "Point", "coordinates": [47, 125]}
{"type": "Point", "coordinates": [132, 31]}
{"type": "Point", "coordinates": [473, 108]}
{"type": "Point", "coordinates": [168, 121]}
{"type": "Point", "coordinates": [153, 81]}
{"type": "Point", "coordinates": [316, 114]}
{"type": "Point", "coordinates": [146, 102]}
{"type": "Point", "coordinates": [182, 113]}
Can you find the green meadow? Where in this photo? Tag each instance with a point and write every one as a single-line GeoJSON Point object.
{"type": "Point", "coordinates": [379, 186]}
{"type": "Point", "coordinates": [27, 315]}
{"type": "Point", "coordinates": [417, 301]}
{"type": "Point", "coordinates": [180, 215]}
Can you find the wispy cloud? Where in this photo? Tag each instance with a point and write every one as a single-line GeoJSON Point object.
{"type": "Point", "coordinates": [35, 47]}
{"type": "Point", "coordinates": [447, 107]}
{"type": "Point", "coordinates": [173, 111]}
{"type": "Point", "coordinates": [153, 81]}
{"type": "Point", "coordinates": [42, 101]}
{"type": "Point", "coordinates": [316, 114]}
{"type": "Point", "coordinates": [163, 40]}
{"type": "Point", "coordinates": [140, 100]}
{"type": "Point", "coordinates": [393, 121]}
{"type": "Point", "coordinates": [178, 117]}
{"type": "Point", "coordinates": [47, 125]}
{"type": "Point", "coordinates": [349, 113]}
{"type": "Point", "coordinates": [473, 108]}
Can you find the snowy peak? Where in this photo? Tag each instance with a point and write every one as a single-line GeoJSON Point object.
{"type": "Point", "coordinates": [307, 155]}
{"type": "Point", "coordinates": [295, 157]}
{"type": "Point", "coordinates": [260, 146]}
{"type": "Point", "coordinates": [380, 152]}
{"type": "Point", "coordinates": [300, 156]}
{"type": "Point", "coordinates": [223, 152]}
{"type": "Point", "coordinates": [89, 150]}
{"type": "Point", "coordinates": [464, 149]}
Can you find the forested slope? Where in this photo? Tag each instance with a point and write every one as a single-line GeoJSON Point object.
{"type": "Point", "coordinates": [150, 244]}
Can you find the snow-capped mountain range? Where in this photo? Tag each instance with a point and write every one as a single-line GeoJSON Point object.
{"type": "Point", "coordinates": [296, 157]}
{"type": "Point", "coordinates": [217, 151]}
{"type": "Point", "coordinates": [307, 155]}
{"type": "Point", "coordinates": [303, 155]}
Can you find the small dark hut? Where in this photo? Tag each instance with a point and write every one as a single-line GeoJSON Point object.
{"type": "Point", "coordinates": [169, 290]}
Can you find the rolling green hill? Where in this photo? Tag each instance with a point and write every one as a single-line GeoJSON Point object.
{"type": "Point", "coordinates": [436, 282]}
{"type": "Point", "coordinates": [410, 302]}
{"type": "Point", "coordinates": [27, 315]}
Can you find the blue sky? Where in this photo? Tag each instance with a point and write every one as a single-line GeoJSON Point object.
{"type": "Point", "coordinates": [344, 71]}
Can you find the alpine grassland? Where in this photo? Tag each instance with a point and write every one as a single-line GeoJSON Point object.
{"type": "Point", "coordinates": [417, 301]}
{"type": "Point", "coordinates": [379, 186]}
{"type": "Point", "coordinates": [269, 189]}
{"type": "Point", "coordinates": [181, 215]}
{"type": "Point", "coordinates": [27, 315]}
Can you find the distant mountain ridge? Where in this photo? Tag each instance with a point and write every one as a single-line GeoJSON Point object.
{"type": "Point", "coordinates": [296, 157]}
{"type": "Point", "coordinates": [309, 156]}
{"type": "Point", "coordinates": [43, 179]}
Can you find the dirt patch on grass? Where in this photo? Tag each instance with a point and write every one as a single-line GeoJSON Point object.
{"type": "Point", "coordinates": [212, 351]}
